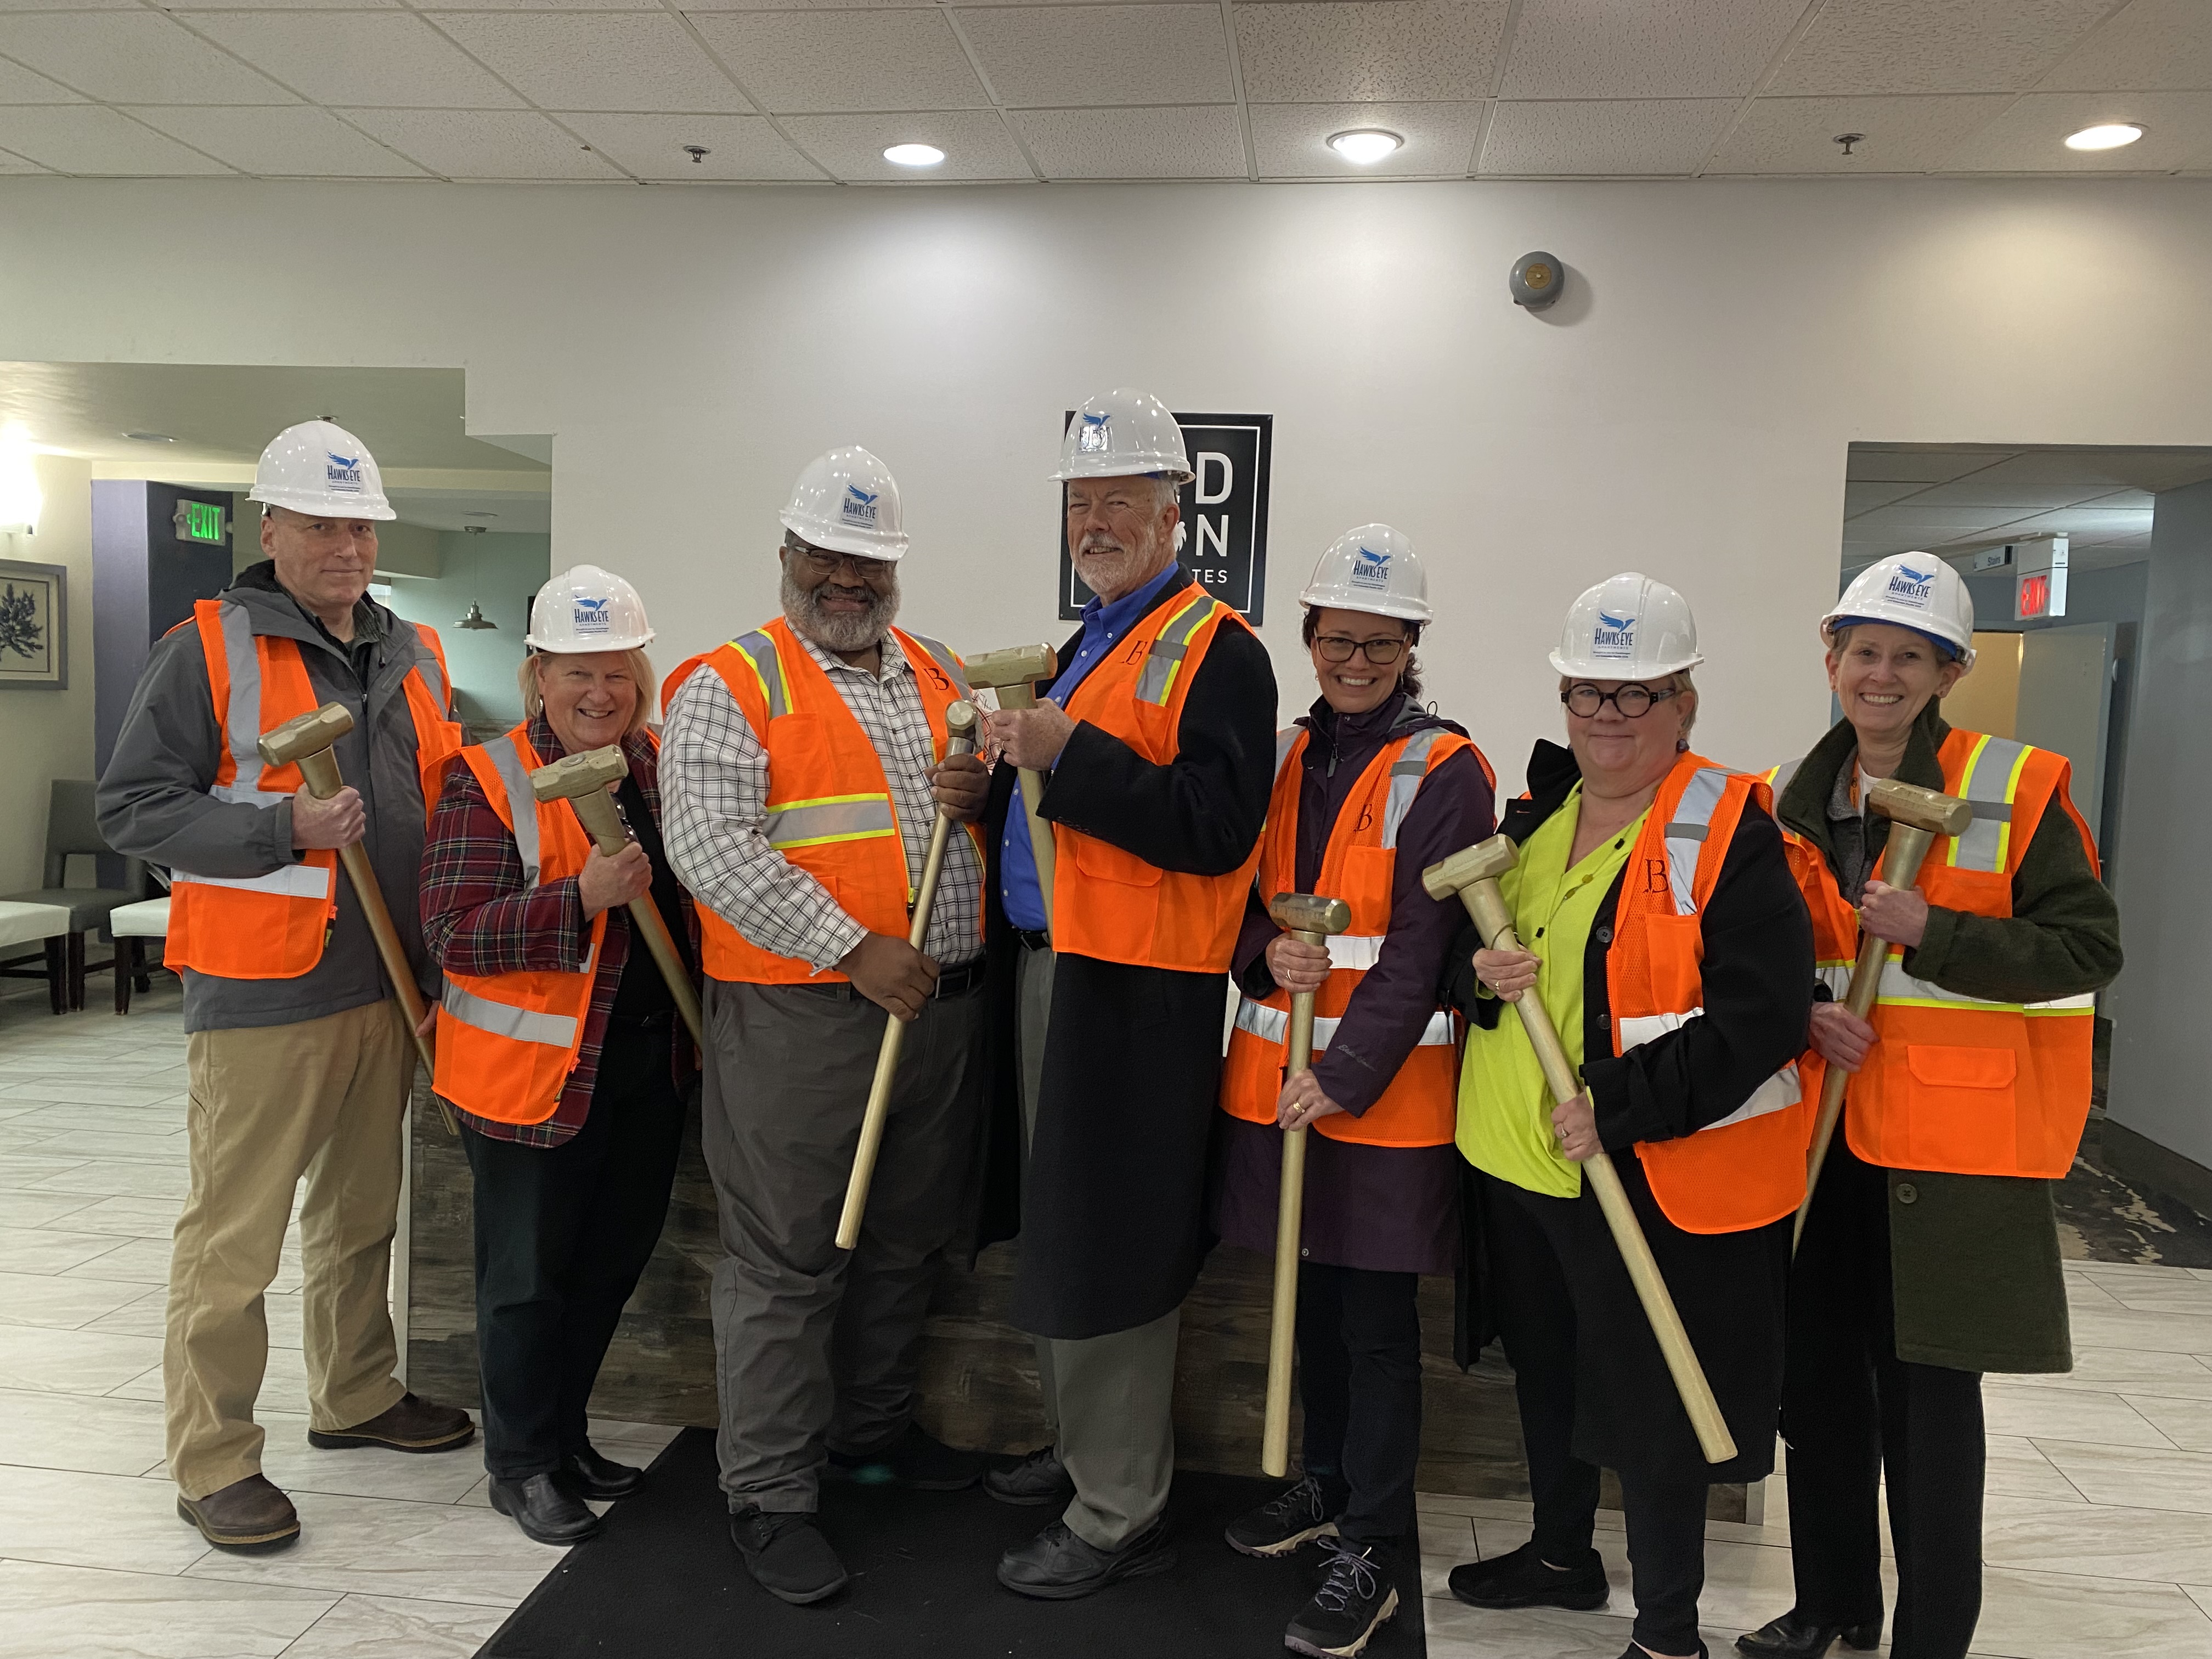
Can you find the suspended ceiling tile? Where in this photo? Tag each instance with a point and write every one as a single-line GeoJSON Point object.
{"type": "Point", "coordinates": [69, 5]}
{"type": "Point", "coordinates": [1654, 49]}
{"type": "Point", "coordinates": [1619, 135]}
{"type": "Point", "coordinates": [2109, 468]}
{"type": "Point", "coordinates": [2081, 522]}
{"type": "Point", "coordinates": [976, 143]}
{"type": "Point", "coordinates": [1187, 141]}
{"type": "Point", "coordinates": [484, 144]}
{"type": "Point", "coordinates": [133, 57]}
{"type": "Point", "coordinates": [291, 142]}
{"type": "Point", "coordinates": [2152, 44]}
{"type": "Point", "coordinates": [1050, 57]}
{"type": "Point", "coordinates": [2031, 135]}
{"type": "Point", "coordinates": [391, 59]}
{"type": "Point", "coordinates": [738, 147]}
{"type": "Point", "coordinates": [832, 61]}
{"type": "Point", "coordinates": [21, 86]}
{"type": "Point", "coordinates": [1292, 140]}
{"type": "Point", "coordinates": [1369, 51]}
{"type": "Point", "coordinates": [1917, 463]}
{"type": "Point", "coordinates": [84, 138]}
{"type": "Point", "coordinates": [1994, 488]}
{"type": "Point", "coordinates": [1933, 45]}
{"type": "Point", "coordinates": [1903, 135]}
{"type": "Point", "coordinates": [11, 163]}
{"type": "Point", "coordinates": [1864, 497]}
{"type": "Point", "coordinates": [1912, 522]}
{"type": "Point", "coordinates": [625, 61]}
{"type": "Point", "coordinates": [272, 5]}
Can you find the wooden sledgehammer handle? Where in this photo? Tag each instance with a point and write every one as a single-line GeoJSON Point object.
{"type": "Point", "coordinates": [1290, 1226]}
{"type": "Point", "coordinates": [1495, 922]}
{"type": "Point", "coordinates": [602, 820]}
{"type": "Point", "coordinates": [960, 739]}
{"type": "Point", "coordinates": [1901, 860]}
{"type": "Point", "coordinates": [318, 776]}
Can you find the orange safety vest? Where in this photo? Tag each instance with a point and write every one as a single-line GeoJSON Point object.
{"type": "Point", "coordinates": [507, 1042]}
{"type": "Point", "coordinates": [1956, 1084]}
{"type": "Point", "coordinates": [1420, 1108]}
{"type": "Point", "coordinates": [1110, 904]}
{"type": "Point", "coordinates": [829, 808]}
{"type": "Point", "coordinates": [1748, 1169]}
{"type": "Point", "coordinates": [275, 926]}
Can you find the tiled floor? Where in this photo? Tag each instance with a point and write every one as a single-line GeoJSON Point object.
{"type": "Point", "coordinates": [2100, 1534]}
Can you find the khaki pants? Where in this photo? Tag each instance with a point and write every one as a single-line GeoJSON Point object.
{"type": "Point", "coordinates": [271, 1103]}
{"type": "Point", "coordinates": [1110, 1400]}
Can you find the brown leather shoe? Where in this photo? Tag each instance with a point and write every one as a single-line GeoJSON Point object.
{"type": "Point", "coordinates": [414, 1425]}
{"type": "Point", "coordinates": [249, 1517]}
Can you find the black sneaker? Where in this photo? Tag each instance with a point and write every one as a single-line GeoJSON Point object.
{"type": "Point", "coordinates": [916, 1460]}
{"type": "Point", "coordinates": [1056, 1565]}
{"type": "Point", "coordinates": [1352, 1602]}
{"type": "Point", "coordinates": [787, 1555]}
{"type": "Point", "coordinates": [1294, 1517]}
{"type": "Point", "coordinates": [1522, 1579]}
{"type": "Point", "coordinates": [1038, 1479]}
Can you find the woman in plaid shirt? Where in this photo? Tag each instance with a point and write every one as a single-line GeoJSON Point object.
{"type": "Point", "coordinates": [568, 1208]}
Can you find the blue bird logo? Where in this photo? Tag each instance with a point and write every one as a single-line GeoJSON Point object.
{"type": "Point", "coordinates": [1373, 557]}
{"type": "Point", "coordinates": [1612, 621]}
{"type": "Point", "coordinates": [860, 494]}
{"type": "Point", "coordinates": [344, 460]}
{"type": "Point", "coordinates": [591, 604]}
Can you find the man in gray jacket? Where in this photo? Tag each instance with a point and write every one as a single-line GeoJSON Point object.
{"type": "Point", "coordinates": [299, 1059]}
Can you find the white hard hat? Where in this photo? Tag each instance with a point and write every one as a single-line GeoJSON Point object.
{"type": "Point", "coordinates": [1628, 628]}
{"type": "Point", "coordinates": [587, 608]}
{"type": "Point", "coordinates": [1373, 568]}
{"type": "Point", "coordinates": [1120, 434]}
{"type": "Point", "coordinates": [847, 501]}
{"type": "Point", "coordinates": [320, 467]}
{"type": "Point", "coordinates": [1912, 590]}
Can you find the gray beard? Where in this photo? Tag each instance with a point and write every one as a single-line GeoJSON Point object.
{"type": "Point", "coordinates": [802, 609]}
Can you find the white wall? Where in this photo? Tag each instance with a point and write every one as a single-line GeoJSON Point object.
{"type": "Point", "coordinates": [49, 733]}
{"type": "Point", "coordinates": [1684, 411]}
{"type": "Point", "coordinates": [501, 572]}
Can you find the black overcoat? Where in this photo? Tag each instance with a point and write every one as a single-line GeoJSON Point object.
{"type": "Point", "coordinates": [1111, 1216]}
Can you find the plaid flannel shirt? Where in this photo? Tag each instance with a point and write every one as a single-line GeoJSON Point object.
{"type": "Point", "coordinates": [478, 918]}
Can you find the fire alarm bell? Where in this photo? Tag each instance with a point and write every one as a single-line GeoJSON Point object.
{"type": "Point", "coordinates": [1537, 280]}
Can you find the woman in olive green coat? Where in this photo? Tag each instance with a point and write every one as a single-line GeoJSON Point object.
{"type": "Point", "coordinates": [1911, 1283]}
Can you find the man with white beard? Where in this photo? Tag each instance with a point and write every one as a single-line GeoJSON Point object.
{"type": "Point", "coordinates": [801, 771]}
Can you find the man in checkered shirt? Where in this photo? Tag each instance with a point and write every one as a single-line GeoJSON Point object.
{"type": "Point", "coordinates": [802, 769]}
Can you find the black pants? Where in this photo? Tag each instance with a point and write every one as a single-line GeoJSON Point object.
{"type": "Point", "coordinates": [1851, 1407]}
{"type": "Point", "coordinates": [562, 1235]}
{"type": "Point", "coordinates": [1359, 1377]}
{"type": "Point", "coordinates": [1525, 1233]}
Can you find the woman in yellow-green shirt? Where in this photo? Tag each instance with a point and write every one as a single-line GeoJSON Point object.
{"type": "Point", "coordinates": [1667, 940]}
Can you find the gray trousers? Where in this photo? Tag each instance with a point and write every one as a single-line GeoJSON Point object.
{"type": "Point", "coordinates": [815, 1348]}
{"type": "Point", "coordinates": [1110, 1400]}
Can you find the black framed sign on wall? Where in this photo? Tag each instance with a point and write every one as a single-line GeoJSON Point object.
{"type": "Point", "coordinates": [1225, 508]}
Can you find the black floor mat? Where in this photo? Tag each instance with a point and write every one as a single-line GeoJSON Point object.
{"type": "Point", "coordinates": [663, 1580]}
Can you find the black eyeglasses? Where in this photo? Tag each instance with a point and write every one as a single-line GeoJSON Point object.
{"type": "Point", "coordinates": [1335, 647]}
{"type": "Point", "coordinates": [825, 564]}
{"type": "Point", "coordinates": [1634, 701]}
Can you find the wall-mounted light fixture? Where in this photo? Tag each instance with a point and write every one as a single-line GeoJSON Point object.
{"type": "Point", "coordinates": [20, 499]}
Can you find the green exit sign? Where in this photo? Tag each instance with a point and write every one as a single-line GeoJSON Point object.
{"type": "Point", "coordinates": [201, 521]}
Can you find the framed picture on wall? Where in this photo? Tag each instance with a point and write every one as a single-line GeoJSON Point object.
{"type": "Point", "coordinates": [33, 625]}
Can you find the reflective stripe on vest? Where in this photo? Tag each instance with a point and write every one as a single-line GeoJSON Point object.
{"type": "Point", "coordinates": [1405, 775]}
{"type": "Point", "coordinates": [828, 819]}
{"type": "Point", "coordinates": [943, 657]}
{"type": "Point", "coordinates": [1989, 781]}
{"type": "Point", "coordinates": [1165, 661]}
{"type": "Point", "coordinates": [1778, 1093]}
{"type": "Point", "coordinates": [1778, 778]}
{"type": "Point", "coordinates": [502, 1019]}
{"type": "Point", "coordinates": [521, 804]}
{"type": "Point", "coordinates": [1686, 835]}
{"type": "Point", "coordinates": [242, 731]}
{"type": "Point", "coordinates": [760, 652]}
{"type": "Point", "coordinates": [306, 881]}
{"type": "Point", "coordinates": [1273, 1025]}
{"type": "Point", "coordinates": [1898, 989]}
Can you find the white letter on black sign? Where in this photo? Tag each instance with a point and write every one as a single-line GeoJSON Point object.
{"type": "Point", "coordinates": [1228, 478]}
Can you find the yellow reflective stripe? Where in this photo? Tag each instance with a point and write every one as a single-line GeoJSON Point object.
{"type": "Point", "coordinates": [777, 695]}
{"type": "Point", "coordinates": [2011, 796]}
{"type": "Point", "coordinates": [830, 817]}
{"type": "Point", "coordinates": [1165, 661]}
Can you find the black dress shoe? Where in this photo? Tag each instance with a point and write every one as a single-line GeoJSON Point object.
{"type": "Point", "coordinates": [1794, 1636]}
{"type": "Point", "coordinates": [1522, 1579]}
{"type": "Point", "coordinates": [1038, 1479]}
{"type": "Point", "coordinates": [544, 1509]}
{"type": "Point", "coordinates": [589, 1475]}
{"type": "Point", "coordinates": [1056, 1565]}
{"type": "Point", "coordinates": [787, 1555]}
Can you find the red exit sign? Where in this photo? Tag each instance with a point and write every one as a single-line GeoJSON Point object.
{"type": "Point", "coordinates": [2033, 599]}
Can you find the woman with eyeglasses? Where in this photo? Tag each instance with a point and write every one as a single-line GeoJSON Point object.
{"type": "Point", "coordinates": [1371, 788]}
{"type": "Point", "coordinates": [1665, 936]}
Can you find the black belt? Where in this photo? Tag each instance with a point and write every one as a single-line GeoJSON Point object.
{"type": "Point", "coordinates": [1033, 941]}
{"type": "Point", "coordinates": [958, 982]}
{"type": "Point", "coordinates": [663, 1020]}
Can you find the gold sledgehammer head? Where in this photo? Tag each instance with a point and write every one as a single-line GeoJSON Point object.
{"type": "Point", "coordinates": [1483, 862]}
{"type": "Point", "coordinates": [578, 774]}
{"type": "Point", "coordinates": [1018, 664]}
{"type": "Point", "coordinates": [1309, 913]}
{"type": "Point", "coordinates": [960, 719]}
{"type": "Point", "coordinates": [305, 734]}
{"type": "Point", "coordinates": [1922, 809]}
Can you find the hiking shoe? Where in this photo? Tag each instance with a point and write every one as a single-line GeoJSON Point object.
{"type": "Point", "coordinates": [1294, 1517]}
{"type": "Point", "coordinates": [787, 1555]}
{"type": "Point", "coordinates": [1521, 1579]}
{"type": "Point", "coordinates": [1353, 1603]}
{"type": "Point", "coordinates": [248, 1517]}
{"type": "Point", "coordinates": [916, 1460]}
{"type": "Point", "coordinates": [1038, 1479]}
{"type": "Point", "coordinates": [414, 1425]}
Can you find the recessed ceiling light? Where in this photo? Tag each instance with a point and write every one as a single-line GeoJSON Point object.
{"type": "Point", "coordinates": [2108, 135]}
{"type": "Point", "coordinates": [1365, 145]}
{"type": "Point", "coordinates": [914, 155]}
{"type": "Point", "coordinates": [151, 437]}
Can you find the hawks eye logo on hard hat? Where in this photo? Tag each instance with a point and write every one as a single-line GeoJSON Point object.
{"type": "Point", "coordinates": [592, 617]}
{"type": "Point", "coordinates": [343, 472]}
{"type": "Point", "coordinates": [1093, 438]}
{"type": "Point", "coordinates": [1371, 568]}
{"type": "Point", "coordinates": [858, 507]}
{"type": "Point", "coordinates": [1911, 587]}
{"type": "Point", "coordinates": [1615, 636]}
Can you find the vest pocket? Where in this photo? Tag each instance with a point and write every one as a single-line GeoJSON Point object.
{"type": "Point", "coordinates": [1960, 1105]}
{"type": "Point", "coordinates": [1108, 862]}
